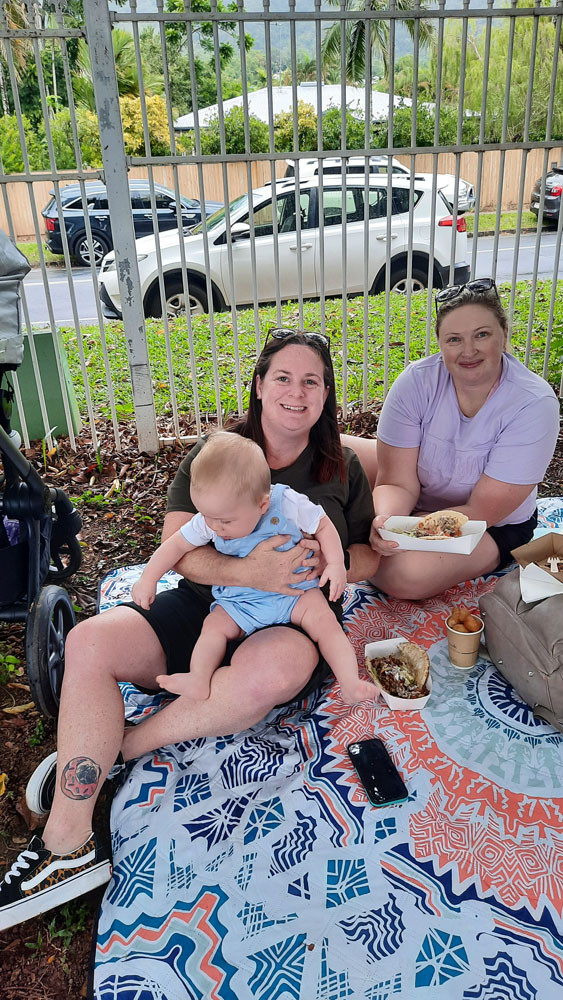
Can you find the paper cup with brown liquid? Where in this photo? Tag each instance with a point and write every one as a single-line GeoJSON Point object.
{"type": "Point", "coordinates": [464, 631]}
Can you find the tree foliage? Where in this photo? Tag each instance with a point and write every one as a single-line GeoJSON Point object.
{"type": "Point", "coordinates": [11, 147]}
{"type": "Point", "coordinates": [235, 141]}
{"type": "Point", "coordinates": [306, 129]}
{"type": "Point", "coordinates": [127, 74]}
{"type": "Point", "coordinates": [361, 34]}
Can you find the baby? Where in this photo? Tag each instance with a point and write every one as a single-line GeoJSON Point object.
{"type": "Point", "coordinates": [237, 509]}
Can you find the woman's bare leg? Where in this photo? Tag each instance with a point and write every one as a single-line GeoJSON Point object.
{"type": "Point", "coordinates": [116, 645]}
{"type": "Point", "coordinates": [366, 450]}
{"type": "Point", "coordinates": [269, 668]}
{"type": "Point", "coordinates": [417, 575]}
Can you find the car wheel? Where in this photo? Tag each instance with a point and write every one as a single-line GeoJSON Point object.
{"type": "Point", "coordinates": [176, 301]}
{"type": "Point", "coordinates": [419, 280]}
{"type": "Point", "coordinates": [82, 251]}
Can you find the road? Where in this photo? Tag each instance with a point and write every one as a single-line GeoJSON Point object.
{"type": "Point", "coordinates": [86, 294]}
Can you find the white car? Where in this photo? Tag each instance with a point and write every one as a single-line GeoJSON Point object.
{"type": "Point", "coordinates": [306, 249]}
{"type": "Point", "coordinates": [380, 165]}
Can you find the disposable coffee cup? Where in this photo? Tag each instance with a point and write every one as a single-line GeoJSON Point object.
{"type": "Point", "coordinates": [463, 647]}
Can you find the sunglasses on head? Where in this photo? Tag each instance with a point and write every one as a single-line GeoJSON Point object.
{"type": "Point", "coordinates": [287, 333]}
{"type": "Point", "coordinates": [479, 285]}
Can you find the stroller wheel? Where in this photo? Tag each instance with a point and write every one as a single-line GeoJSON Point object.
{"type": "Point", "coordinates": [49, 622]}
{"type": "Point", "coordinates": [65, 560]}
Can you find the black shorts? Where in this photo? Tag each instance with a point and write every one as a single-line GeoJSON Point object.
{"type": "Point", "coordinates": [177, 616]}
{"type": "Point", "coordinates": [510, 536]}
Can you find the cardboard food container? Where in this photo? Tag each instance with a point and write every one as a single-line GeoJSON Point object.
{"type": "Point", "coordinates": [471, 534]}
{"type": "Point", "coordinates": [387, 647]}
{"type": "Point", "coordinates": [536, 579]}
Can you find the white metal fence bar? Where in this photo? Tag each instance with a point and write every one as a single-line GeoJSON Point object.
{"type": "Point", "coordinates": [113, 154]}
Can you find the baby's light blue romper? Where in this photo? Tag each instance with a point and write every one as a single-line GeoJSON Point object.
{"type": "Point", "coordinates": [253, 609]}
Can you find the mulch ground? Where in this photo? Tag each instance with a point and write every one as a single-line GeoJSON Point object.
{"type": "Point", "coordinates": [122, 499]}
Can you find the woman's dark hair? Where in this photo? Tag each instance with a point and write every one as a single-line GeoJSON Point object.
{"type": "Point", "coordinates": [328, 460]}
{"type": "Point", "coordinates": [466, 297]}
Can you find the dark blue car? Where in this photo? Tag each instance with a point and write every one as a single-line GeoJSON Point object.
{"type": "Point", "coordinates": [98, 213]}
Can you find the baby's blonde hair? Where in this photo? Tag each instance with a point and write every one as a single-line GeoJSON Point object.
{"type": "Point", "coordinates": [236, 461]}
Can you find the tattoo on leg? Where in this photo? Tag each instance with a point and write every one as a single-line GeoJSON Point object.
{"type": "Point", "coordinates": [80, 778]}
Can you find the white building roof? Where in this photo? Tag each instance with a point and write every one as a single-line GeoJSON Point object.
{"type": "Point", "coordinates": [282, 100]}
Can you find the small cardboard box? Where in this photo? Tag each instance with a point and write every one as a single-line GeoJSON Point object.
{"type": "Point", "coordinates": [536, 579]}
{"type": "Point", "coordinates": [538, 551]}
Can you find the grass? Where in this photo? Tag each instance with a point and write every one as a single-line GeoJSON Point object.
{"type": "Point", "coordinates": [508, 220]}
{"type": "Point", "coordinates": [362, 354]}
{"type": "Point", "coordinates": [31, 251]}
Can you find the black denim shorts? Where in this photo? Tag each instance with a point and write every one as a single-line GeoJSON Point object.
{"type": "Point", "coordinates": [177, 616]}
{"type": "Point", "coordinates": [510, 536]}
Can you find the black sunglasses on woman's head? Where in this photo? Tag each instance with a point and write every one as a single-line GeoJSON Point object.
{"type": "Point", "coordinates": [482, 285]}
{"type": "Point", "coordinates": [287, 332]}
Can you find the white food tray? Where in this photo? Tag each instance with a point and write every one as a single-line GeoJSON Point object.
{"type": "Point", "coordinates": [386, 647]}
{"type": "Point", "coordinates": [471, 534]}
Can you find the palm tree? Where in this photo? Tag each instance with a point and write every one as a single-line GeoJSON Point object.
{"type": "Point", "coordinates": [126, 70]}
{"type": "Point", "coordinates": [356, 34]}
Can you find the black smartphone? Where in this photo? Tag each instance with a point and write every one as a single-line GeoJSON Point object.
{"type": "Point", "coordinates": [375, 769]}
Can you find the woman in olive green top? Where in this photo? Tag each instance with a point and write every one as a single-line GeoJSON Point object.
{"type": "Point", "coordinates": [292, 416]}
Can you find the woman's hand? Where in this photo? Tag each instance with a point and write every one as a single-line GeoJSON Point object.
{"type": "Point", "coordinates": [275, 571]}
{"type": "Point", "coordinates": [378, 543]}
{"type": "Point", "coordinates": [314, 563]}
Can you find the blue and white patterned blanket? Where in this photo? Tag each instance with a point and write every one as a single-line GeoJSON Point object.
{"type": "Point", "coordinates": [252, 866]}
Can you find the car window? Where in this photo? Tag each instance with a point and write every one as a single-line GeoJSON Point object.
{"type": "Point", "coordinates": [217, 218]}
{"type": "Point", "coordinates": [401, 200]}
{"type": "Point", "coordinates": [332, 206]}
{"type": "Point", "coordinates": [144, 200]}
{"type": "Point", "coordinates": [76, 203]}
{"type": "Point", "coordinates": [99, 204]}
{"type": "Point", "coordinates": [263, 218]}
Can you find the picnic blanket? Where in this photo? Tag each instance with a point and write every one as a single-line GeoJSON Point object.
{"type": "Point", "coordinates": [252, 865]}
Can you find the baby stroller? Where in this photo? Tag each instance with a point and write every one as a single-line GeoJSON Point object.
{"type": "Point", "coordinates": [38, 524]}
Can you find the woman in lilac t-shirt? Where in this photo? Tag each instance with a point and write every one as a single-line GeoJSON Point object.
{"type": "Point", "coordinates": [470, 428]}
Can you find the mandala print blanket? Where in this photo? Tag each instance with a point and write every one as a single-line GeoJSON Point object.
{"type": "Point", "coordinates": [252, 866]}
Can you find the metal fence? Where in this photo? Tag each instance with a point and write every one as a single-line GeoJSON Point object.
{"type": "Point", "coordinates": [347, 249]}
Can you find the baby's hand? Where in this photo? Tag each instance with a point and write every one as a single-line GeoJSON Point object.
{"type": "Point", "coordinates": [186, 684]}
{"type": "Point", "coordinates": [336, 573]}
{"type": "Point", "coordinates": [143, 594]}
{"type": "Point", "coordinates": [358, 690]}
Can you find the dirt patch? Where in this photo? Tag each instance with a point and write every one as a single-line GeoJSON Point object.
{"type": "Point", "coordinates": [122, 501]}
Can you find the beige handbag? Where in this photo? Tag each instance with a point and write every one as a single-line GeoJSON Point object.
{"type": "Point", "coordinates": [525, 642]}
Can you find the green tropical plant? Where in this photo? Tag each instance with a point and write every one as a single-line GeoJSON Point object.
{"type": "Point", "coordinates": [126, 70]}
{"type": "Point", "coordinates": [375, 33]}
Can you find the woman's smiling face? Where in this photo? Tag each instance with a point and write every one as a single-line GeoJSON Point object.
{"type": "Point", "coordinates": [293, 390]}
{"type": "Point", "coordinates": [472, 342]}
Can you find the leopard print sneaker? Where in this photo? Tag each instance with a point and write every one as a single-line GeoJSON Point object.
{"type": "Point", "coordinates": [39, 880]}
